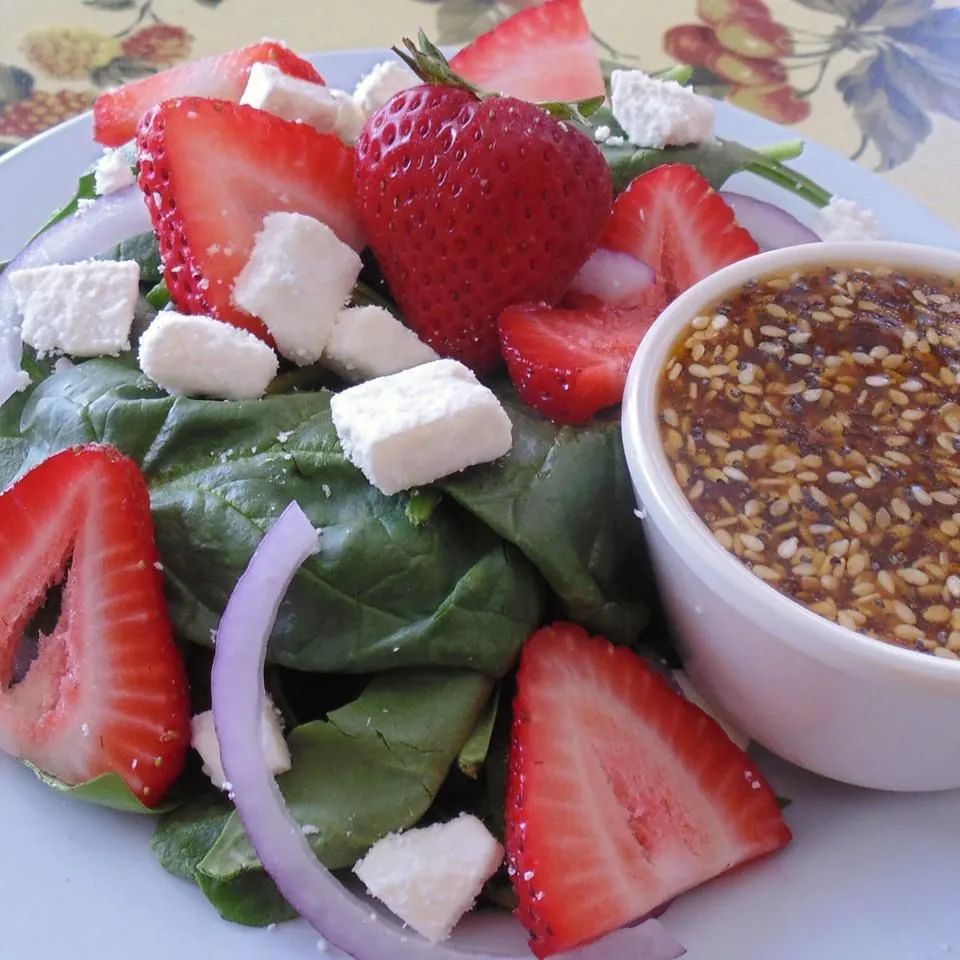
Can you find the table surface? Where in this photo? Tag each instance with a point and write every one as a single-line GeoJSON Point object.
{"type": "Point", "coordinates": [877, 81]}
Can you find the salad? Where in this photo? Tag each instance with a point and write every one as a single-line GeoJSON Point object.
{"type": "Point", "coordinates": [311, 469]}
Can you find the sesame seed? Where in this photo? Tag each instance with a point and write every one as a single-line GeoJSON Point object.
{"type": "Point", "coordinates": [913, 576]}
{"type": "Point", "coordinates": [787, 548]}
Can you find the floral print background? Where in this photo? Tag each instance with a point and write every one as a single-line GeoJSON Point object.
{"type": "Point", "coordinates": [878, 80]}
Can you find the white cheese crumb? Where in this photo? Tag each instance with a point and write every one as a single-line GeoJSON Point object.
{"type": "Point", "coordinates": [601, 133]}
{"type": "Point", "coordinates": [368, 342]}
{"type": "Point", "coordinates": [431, 877]}
{"type": "Point", "coordinates": [297, 280]}
{"type": "Point", "coordinates": [325, 487]}
{"type": "Point", "coordinates": [200, 356]}
{"type": "Point", "coordinates": [84, 309]}
{"type": "Point", "coordinates": [203, 738]}
{"type": "Point", "coordinates": [382, 83]}
{"type": "Point", "coordinates": [325, 109]}
{"type": "Point", "coordinates": [659, 113]}
{"type": "Point", "coordinates": [83, 205]}
{"type": "Point", "coordinates": [112, 172]}
{"type": "Point", "coordinates": [844, 219]}
{"type": "Point", "coordinates": [419, 425]}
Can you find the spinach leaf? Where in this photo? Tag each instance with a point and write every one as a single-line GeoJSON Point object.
{"type": "Point", "coordinates": [86, 190]}
{"type": "Point", "coordinates": [184, 836]}
{"type": "Point", "coordinates": [107, 790]}
{"type": "Point", "coordinates": [373, 767]}
{"type": "Point", "coordinates": [473, 753]}
{"type": "Point", "coordinates": [716, 160]}
{"type": "Point", "coordinates": [383, 592]}
{"type": "Point", "coordinates": [563, 496]}
{"type": "Point", "coordinates": [145, 251]}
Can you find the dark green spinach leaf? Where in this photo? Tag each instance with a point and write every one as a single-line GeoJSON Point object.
{"type": "Point", "coordinates": [383, 592]}
{"type": "Point", "coordinates": [373, 767]}
{"type": "Point", "coordinates": [563, 496]}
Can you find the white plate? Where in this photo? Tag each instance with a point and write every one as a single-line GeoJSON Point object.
{"type": "Point", "coordinates": [869, 876]}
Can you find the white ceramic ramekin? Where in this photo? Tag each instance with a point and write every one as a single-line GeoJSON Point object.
{"type": "Point", "coordinates": [827, 698]}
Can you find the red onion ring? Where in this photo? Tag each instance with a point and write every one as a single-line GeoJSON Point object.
{"type": "Point", "coordinates": [89, 232]}
{"type": "Point", "coordinates": [767, 223]}
{"type": "Point", "coordinates": [613, 277]}
{"type": "Point", "coordinates": [237, 688]}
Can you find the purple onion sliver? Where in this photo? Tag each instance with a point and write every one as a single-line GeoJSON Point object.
{"type": "Point", "coordinates": [768, 224]}
{"type": "Point", "coordinates": [237, 688]}
{"type": "Point", "coordinates": [614, 277]}
{"type": "Point", "coordinates": [101, 225]}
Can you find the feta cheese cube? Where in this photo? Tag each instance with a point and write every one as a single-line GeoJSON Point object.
{"type": "Point", "coordinates": [419, 425]}
{"type": "Point", "coordinates": [84, 309]}
{"type": "Point", "coordinates": [382, 83]}
{"type": "Point", "coordinates": [369, 342]}
{"type": "Point", "coordinates": [298, 277]}
{"type": "Point", "coordinates": [112, 172]}
{"type": "Point", "coordinates": [329, 111]}
{"type": "Point", "coordinates": [845, 220]}
{"type": "Point", "coordinates": [432, 876]}
{"type": "Point", "coordinates": [659, 113]}
{"type": "Point", "coordinates": [690, 692]}
{"type": "Point", "coordinates": [200, 356]}
{"type": "Point", "coordinates": [203, 739]}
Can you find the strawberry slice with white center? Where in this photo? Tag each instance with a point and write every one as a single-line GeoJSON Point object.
{"type": "Point", "coordinates": [107, 690]}
{"type": "Point", "coordinates": [571, 363]}
{"type": "Point", "coordinates": [116, 113]}
{"type": "Point", "coordinates": [212, 170]}
{"type": "Point", "coordinates": [673, 220]}
{"type": "Point", "coordinates": [543, 53]}
{"type": "Point", "coordinates": [621, 793]}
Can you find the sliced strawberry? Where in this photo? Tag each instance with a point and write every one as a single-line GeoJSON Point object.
{"type": "Point", "coordinates": [107, 690]}
{"type": "Point", "coordinates": [542, 53]}
{"type": "Point", "coordinates": [568, 364]}
{"type": "Point", "coordinates": [672, 219]}
{"type": "Point", "coordinates": [116, 113]}
{"type": "Point", "coordinates": [212, 170]}
{"type": "Point", "coordinates": [621, 793]}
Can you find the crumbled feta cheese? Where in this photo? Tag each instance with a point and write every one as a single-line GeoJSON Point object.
{"type": "Point", "coordinates": [419, 425]}
{"type": "Point", "coordinates": [203, 738]}
{"type": "Point", "coordinates": [84, 309]}
{"type": "Point", "coordinates": [688, 690]}
{"type": "Point", "coordinates": [382, 83]}
{"type": "Point", "coordinates": [432, 876]}
{"type": "Point", "coordinates": [659, 113]}
{"type": "Point", "coordinates": [601, 133]}
{"type": "Point", "coordinates": [200, 356]}
{"type": "Point", "coordinates": [369, 342]}
{"type": "Point", "coordinates": [297, 280]}
{"type": "Point", "coordinates": [328, 110]}
{"type": "Point", "coordinates": [845, 220]}
{"type": "Point", "coordinates": [112, 172]}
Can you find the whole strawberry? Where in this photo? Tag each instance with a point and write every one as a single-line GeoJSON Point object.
{"type": "Point", "coordinates": [474, 204]}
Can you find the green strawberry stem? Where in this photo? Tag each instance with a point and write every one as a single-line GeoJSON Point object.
{"type": "Point", "coordinates": [427, 61]}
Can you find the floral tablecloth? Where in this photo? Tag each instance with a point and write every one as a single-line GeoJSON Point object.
{"type": "Point", "coordinates": [877, 80]}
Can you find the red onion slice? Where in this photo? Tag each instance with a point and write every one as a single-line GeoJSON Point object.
{"type": "Point", "coordinates": [616, 278]}
{"type": "Point", "coordinates": [237, 688]}
{"type": "Point", "coordinates": [767, 223]}
{"type": "Point", "coordinates": [89, 232]}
